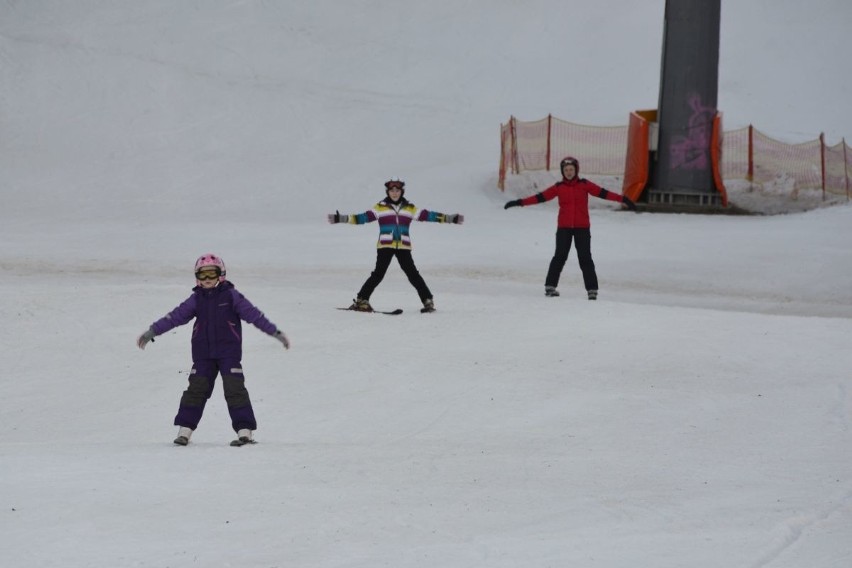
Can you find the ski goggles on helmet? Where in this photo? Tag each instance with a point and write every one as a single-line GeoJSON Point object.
{"type": "Point", "coordinates": [569, 162]}
{"type": "Point", "coordinates": [394, 184]}
{"type": "Point", "coordinates": [208, 274]}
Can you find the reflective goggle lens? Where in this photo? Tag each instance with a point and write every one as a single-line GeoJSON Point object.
{"type": "Point", "coordinates": [208, 274]}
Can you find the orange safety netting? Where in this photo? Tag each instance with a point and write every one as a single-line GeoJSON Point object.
{"type": "Point", "coordinates": [746, 154]}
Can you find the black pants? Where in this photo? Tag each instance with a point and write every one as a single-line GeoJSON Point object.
{"type": "Point", "coordinates": [583, 239]}
{"type": "Point", "coordinates": [384, 256]}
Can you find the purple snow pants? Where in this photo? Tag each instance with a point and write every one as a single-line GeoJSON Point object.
{"type": "Point", "coordinates": [202, 379]}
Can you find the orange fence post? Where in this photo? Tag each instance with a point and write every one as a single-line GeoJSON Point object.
{"type": "Point", "coordinates": [822, 160]}
{"type": "Point", "coordinates": [846, 168]}
{"type": "Point", "coordinates": [515, 168]}
{"type": "Point", "coordinates": [750, 174]}
{"type": "Point", "coordinates": [501, 172]}
{"type": "Point", "coordinates": [716, 135]}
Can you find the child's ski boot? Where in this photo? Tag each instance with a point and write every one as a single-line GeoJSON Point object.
{"type": "Point", "coordinates": [243, 438]}
{"type": "Point", "coordinates": [361, 305]}
{"type": "Point", "coordinates": [183, 436]}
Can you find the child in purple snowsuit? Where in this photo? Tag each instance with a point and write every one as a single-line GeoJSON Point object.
{"type": "Point", "coordinates": [216, 348]}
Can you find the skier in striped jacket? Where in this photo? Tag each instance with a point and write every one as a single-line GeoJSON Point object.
{"type": "Point", "coordinates": [395, 215]}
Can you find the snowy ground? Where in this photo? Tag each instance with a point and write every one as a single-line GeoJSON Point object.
{"type": "Point", "coordinates": [699, 414]}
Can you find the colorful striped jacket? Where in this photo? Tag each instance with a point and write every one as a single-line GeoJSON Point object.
{"type": "Point", "coordinates": [394, 221]}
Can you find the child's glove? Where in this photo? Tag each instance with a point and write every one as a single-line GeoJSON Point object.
{"type": "Point", "coordinates": [143, 339]}
{"type": "Point", "coordinates": [456, 218]}
{"type": "Point", "coordinates": [279, 335]}
{"type": "Point", "coordinates": [336, 217]}
{"type": "Point", "coordinates": [513, 203]}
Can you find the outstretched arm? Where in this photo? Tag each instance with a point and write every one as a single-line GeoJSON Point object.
{"type": "Point", "coordinates": [357, 219]}
{"type": "Point", "coordinates": [249, 313]}
{"type": "Point", "coordinates": [178, 316]}
{"type": "Point", "coordinates": [435, 217]}
{"type": "Point", "coordinates": [539, 197]}
{"type": "Point", "coordinates": [612, 196]}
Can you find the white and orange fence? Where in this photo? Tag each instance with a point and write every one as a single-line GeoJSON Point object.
{"type": "Point", "coordinates": [746, 154]}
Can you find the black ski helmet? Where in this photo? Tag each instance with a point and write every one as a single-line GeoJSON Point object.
{"type": "Point", "coordinates": [395, 184]}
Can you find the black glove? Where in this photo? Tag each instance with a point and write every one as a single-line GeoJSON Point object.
{"type": "Point", "coordinates": [513, 203]}
{"type": "Point", "coordinates": [456, 218]}
{"type": "Point", "coordinates": [334, 217]}
{"type": "Point", "coordinates": [629, 202]}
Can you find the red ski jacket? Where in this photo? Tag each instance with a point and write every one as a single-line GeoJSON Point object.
{"type": "Point", "coordinates": [573, 197]}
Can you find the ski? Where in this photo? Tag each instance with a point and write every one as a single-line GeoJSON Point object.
{"type": "Point", "coordinates": [395, 312]}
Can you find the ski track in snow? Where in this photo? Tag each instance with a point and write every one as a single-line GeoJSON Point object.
{"type": "Point", "coordinates": [794, 528]}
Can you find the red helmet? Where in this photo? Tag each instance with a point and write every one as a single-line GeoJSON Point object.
{"type": "Point", "coordinates": [570, 161]}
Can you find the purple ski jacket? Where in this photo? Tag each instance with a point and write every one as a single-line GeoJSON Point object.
{"type": "Point", "coordinates": [217, 332]}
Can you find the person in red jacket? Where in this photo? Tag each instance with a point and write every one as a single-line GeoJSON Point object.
{"type": "Point", "coordinates": [572, 223]}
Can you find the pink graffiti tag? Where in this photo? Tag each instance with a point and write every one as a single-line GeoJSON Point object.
{"type": "Point", "coordinates": [691, 152]}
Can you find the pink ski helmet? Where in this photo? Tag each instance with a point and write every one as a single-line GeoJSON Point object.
{"type": "Point", "coordinates": [210, 261]}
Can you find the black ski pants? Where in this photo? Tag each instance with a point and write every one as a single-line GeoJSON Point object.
{"type": "Point", "coordinates": [583, 240]}
{"type": "Point", "coordinates": [384, 256]}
